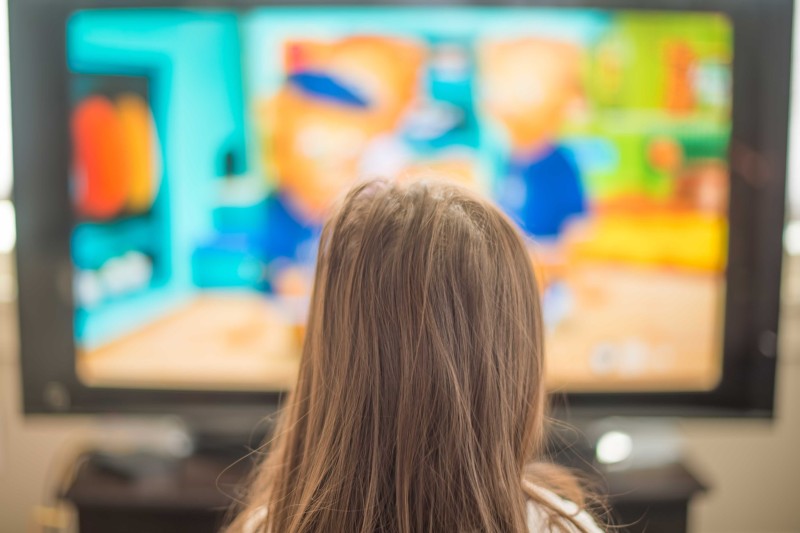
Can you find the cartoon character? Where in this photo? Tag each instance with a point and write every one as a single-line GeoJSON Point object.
{"type": "Point", "coordinates": [530, 85]}
{"type": "Point", "coordinates": [338, 98]}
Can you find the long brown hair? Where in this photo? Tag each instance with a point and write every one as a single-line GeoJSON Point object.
{"type": "Point", "coordinates": [420, 403]}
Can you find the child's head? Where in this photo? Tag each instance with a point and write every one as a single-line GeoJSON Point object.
{"type": "Point", "coordinates": [420, 396]}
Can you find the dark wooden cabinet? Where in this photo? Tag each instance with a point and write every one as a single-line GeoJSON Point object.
{"type": "Point", "coordinates": [194, 495]}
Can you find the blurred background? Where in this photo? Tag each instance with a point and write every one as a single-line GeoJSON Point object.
{"type": "Point", "coordinates": [752, 466]}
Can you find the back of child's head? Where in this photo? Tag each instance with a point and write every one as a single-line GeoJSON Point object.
{"type": "Point", "coordinates": [420, 399]}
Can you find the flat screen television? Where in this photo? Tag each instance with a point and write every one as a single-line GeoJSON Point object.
{"type": "Point", "coordinates": [174, 160]}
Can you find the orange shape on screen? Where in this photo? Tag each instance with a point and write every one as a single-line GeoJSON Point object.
{"type": "Point", "coordinates": [102, 179]}
{"type": "Point", "coordinates": [140, 151]}
{"type": "Point", "coordinates": [665, 154]}
{"type": "Point", "coordinates": [680, 61]}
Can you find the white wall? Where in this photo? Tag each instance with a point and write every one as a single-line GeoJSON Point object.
{"type": "Point", "coordinates": [32, 452]}
{"type": "Point", "coordinates": [753, 467]}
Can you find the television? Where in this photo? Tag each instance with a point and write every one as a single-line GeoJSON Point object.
{"type": "Point", "coordinates": [174, 162]}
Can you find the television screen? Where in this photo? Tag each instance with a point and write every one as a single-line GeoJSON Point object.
{"type": "Point", "coordinates": [208, 145]}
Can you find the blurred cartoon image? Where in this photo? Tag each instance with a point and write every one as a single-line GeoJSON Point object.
{"type": "Point", "coordinates": [603, 134]}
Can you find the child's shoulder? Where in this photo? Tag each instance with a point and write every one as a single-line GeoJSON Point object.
{"type": "Point", "coordinates": [538, 518]}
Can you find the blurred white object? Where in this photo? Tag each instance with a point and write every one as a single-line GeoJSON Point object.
{"type": "Point", "coordinates": [613, 447]}
{"type": "Point", "coordinates": [622, 443]}
{"type": "Point", "coordinates": [87, 288]}
{"type": "Point", "coordinates": [791, 238]}
{"type": "Point", "coordinates": [8, 227]}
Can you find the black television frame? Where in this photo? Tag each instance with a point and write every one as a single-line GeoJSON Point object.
{"type": "Point", "coordinates": [758, 153]}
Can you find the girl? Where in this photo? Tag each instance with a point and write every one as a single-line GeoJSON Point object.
{"type": "Point", "coordinates": [420, 402]}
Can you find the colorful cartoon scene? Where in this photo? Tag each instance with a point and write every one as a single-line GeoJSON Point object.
{"type": "Point", "coordinates": [208, 146]}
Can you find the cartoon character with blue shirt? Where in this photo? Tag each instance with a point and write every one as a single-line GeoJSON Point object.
{"type": "Point", "coordinates": [530, 85]}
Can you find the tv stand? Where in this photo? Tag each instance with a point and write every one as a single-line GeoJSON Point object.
{"type": "Point", "coordinates": [194, 494]}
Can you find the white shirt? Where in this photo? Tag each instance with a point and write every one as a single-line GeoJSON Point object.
{"type": "Point", "coordinates": [537, 517]}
